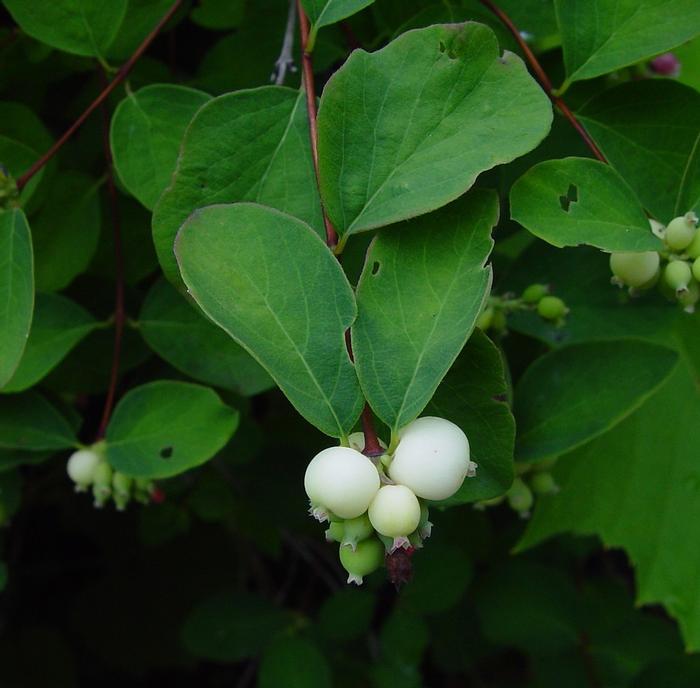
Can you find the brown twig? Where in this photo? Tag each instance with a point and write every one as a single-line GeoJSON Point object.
{"type": "Point", "coordinates": [310, 90]}
{"type": "Point", "coordinates": [109, 87]}
{"type": "Point", "coordinates": [544, 80]}
{"type": "Point", "coordinates": [119, 312]}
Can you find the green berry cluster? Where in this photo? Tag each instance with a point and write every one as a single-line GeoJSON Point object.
{"type": "Point", "coordinates": [377, 506]}
{"type": "Point", "coordinates": [676, 269]}
{"type": "Point", "coordinates": [536, 297]}
{"type": "Point", "coordinates": [89, 470]}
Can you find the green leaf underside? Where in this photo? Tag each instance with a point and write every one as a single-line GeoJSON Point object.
{"type": "Point", "coordinates": [473, 395]}
{"type": "Point", "coordinates": [66, 231]}
{"type": "Point", "coordinates": [407, 129]}
{"type": "Point", "coordinates": [637, 487]}
{"type": "Point", "coordinates": [58, 325]}
{"type": "Point", "coordinates": [233, 626]}
{"type": "Point", "coordinates": [16, 290]}
{"type": "Point", "coordinates": [599, 36]}
{"type": "Point", "coordinates": [246, 146]}
{"type": "Point", "coordinates": [145, 135]}
{"type": "Point", "coordinates": [572, 395]}
{"type": "Point", "coordinates": [576, 201]}
{"type": "Point", "coordinates": [326, 12]}
{"type": "Point", "coordinates": [178, 333]}
{"type": "Point", "coordinates": [269, 281]}
{"type": "Point", "coordinates": [82, 27]}
{"type": "Point", "coordinates": [650, 133]}
{"type": "Point", "coordinates": [164, 428]}
{"type": "Point", "coordinates": [29, 422]}
{"type": "Point", "coordinates": [421, 290]}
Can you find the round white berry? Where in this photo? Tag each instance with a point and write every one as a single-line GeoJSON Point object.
{"type": "Point", "coordinates": [432, 458]}
{"type": "Point", "coordinates": [342, 480]}
{"type": "Point", "coordinates": [634, 269]}
{"type": "Point", "coordinates": [81, 467]}
{"type": "Point", "coordinates": [394, 511]}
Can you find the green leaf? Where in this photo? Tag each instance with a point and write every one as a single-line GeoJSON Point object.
{"type": "Point", "coordinates": [661, 163]}
{"type": "Point", "coordinates": [58, 325]}
{"type": "Point", "coordinates": [178, 333]}
{"type": "Point", "coordinates": [272, 284]}
{"type": "Point", "coordinates": [326, 12]}
{"type": "Point", "coordinates": [421, 290]}
{"type": "Point", "coordinates": [145, 136]}
{"type": "Point", "coordinates": [81, 27]}
{"type": "Point", "coordinates": [13, 458]}
{"type": "Point", "coordinates": [581, 201]}
{"type": "Point", "coordinates": [294, 662]}
{"type": "Point", "coordinates": [407, 129]}
{"type": "Point", "coordinates": [219, 15]}
{"type": "Point", "coordinates": [472, 395]}
{"type": "Point", "coordinates": [16, 290]}
{"type": "Point", "coordinates": [164, 428]}
{"type": "Point", "coordinates": [17, 158]}
{"type": "Point", "coordinates": [66, 230]}
{"type": "Point", "coordinates": [232, 626]}
{"type": "Point", "coordinates": [599, 36]}
{"type": "Point", "coordinates": [345, 615]}
{"type": "Point", "coordinates": [21, 123]}
{"type": "Point", "coordinates": [140, 19]}
{"type": "Point", "coordinates": [28, 421]}
{"type": "Point", "coordinates": [637, 487]}
{"type": "Point", "coordinates": [572, 395]}
{"type": "Point", "coordinates": [268, 133]}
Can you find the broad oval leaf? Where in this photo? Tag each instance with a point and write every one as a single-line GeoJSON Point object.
{"type": "Point", "coordinates": [164, 428]}
{"type": "Point", "coordinates": [577, 393]}
{"type": "Point", "coordinates": [581, 201]}
{"type": "Point", "coordinates": [178, 333]}
{"type": "Point", "coordinates": [266, 134]}
{"type": "Point", "coordinates": [17, 157]}
{"type": "Point", "coordinates": [58, 325]}
{"type": "Point", "coordinates": [599, 36]}
{"type": "Point", "coordinates": [407, 129]}
{"type": "Point", "coordinates": [66, 230]}
{"type": "Point", "coordinates": [29, 422]}
{"type": "Point", "coordinates": [145, 135]}
{"type": "Point", "coordinates": [270, 282]}
{"type": "Point", "coordinates": [16, 290]}
{"type": "Point", "coordinates": [325, 12]}
{"type": "Point", "coordinates": [661, 163]}
{"type": "Point", "coordinates": [294, 662]}
{"type": "Point", "coordinates": [422, 288]}
{"type": "Point", "coordinates": [81, 27]}
{"type": "Point", "coordinates": [140, 19]}
{"type": "Point", "coordinates": [473, 395]}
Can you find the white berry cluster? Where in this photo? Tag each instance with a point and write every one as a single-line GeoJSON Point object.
{"type": "Point", "coordinates": [376, 506]}
{"type": "Point", "coordinates": [679, 278]}
{"type": "Point", "coordinates": [88, 469]}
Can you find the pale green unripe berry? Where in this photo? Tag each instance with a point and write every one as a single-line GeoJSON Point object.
{"type": "Point", "coordinates": [520, 497]}
{"type": "Point", "coordinates": [543, 483]}
{"type": "Point", "coordinates": [425, 527]}
{"type": "Point", "coordinates": [677, 275]}
{"type": "Point", "coordinates": [634, 269]}
{"type": "Point", "coordinates": [551, 308]}
{"type": "Point", "coordinates": [534, 293]}
{"type": "Point", "coordinates": [689, 297]}
{"type": "Point", "coordinates": [81, 468]}
{"type": "Point", "coordinates": [343, 480]}
{"type": "Point", "coordinates": [102, 485]}
{"type": "Point", "coordinates": [356, 530]}
{"type": "Point", "coordinates": [696, 269]}
{"type": "Point", "coordinates": [335, 532]}
{"type": "Point", "coordinates": [367, 557]}
{"type": "Point", "coordinates": [681, 231]}
{"type": "Point", "coordinates": [693, 250]}
{"type": "Point", "coordinates": [121, 485]}
{"type": "Point", "coordinates": [485, 320]}
{"type": "Point", "coordinates": [432, 458]}
{"type": "Point", "coordinates": [395, 511]}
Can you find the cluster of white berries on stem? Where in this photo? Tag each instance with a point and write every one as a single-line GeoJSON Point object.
{"type": "Point", "coordinates": [377, 505]}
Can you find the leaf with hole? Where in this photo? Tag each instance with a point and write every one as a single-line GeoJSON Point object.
{"type": "Point", "coordinates": [178, 333]}
{"type": "Point", "coordinates": [16, 290]}
{"type": "Point", "coordinates": [569, 396]}
{"type": "Point", "coordinates": [290, 314]}
{"type": "Point", "coordinates": [164, 428]}
{"type": "Point", "coordinates": [407, 129]}
{"type": "Point", "coordinates": [266, 134]}
{"type": "Point", "coordinates": [581, 201]}
{"type": "Point", "coordinates": [145, 135]}
{"type": "Point", "coordinates": [420, 293]}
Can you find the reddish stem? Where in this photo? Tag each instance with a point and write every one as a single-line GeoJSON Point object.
{"type": "Point", "coordinates": [544, 80]}
{"type": "Point", "coordinates": [372, 446]}
{"type": "Point", "coordinates": [108, 88]}
{"type": "Point", "coordinates": [119, 312]}
{"type": "Point", "coordinates": [310, 90]}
